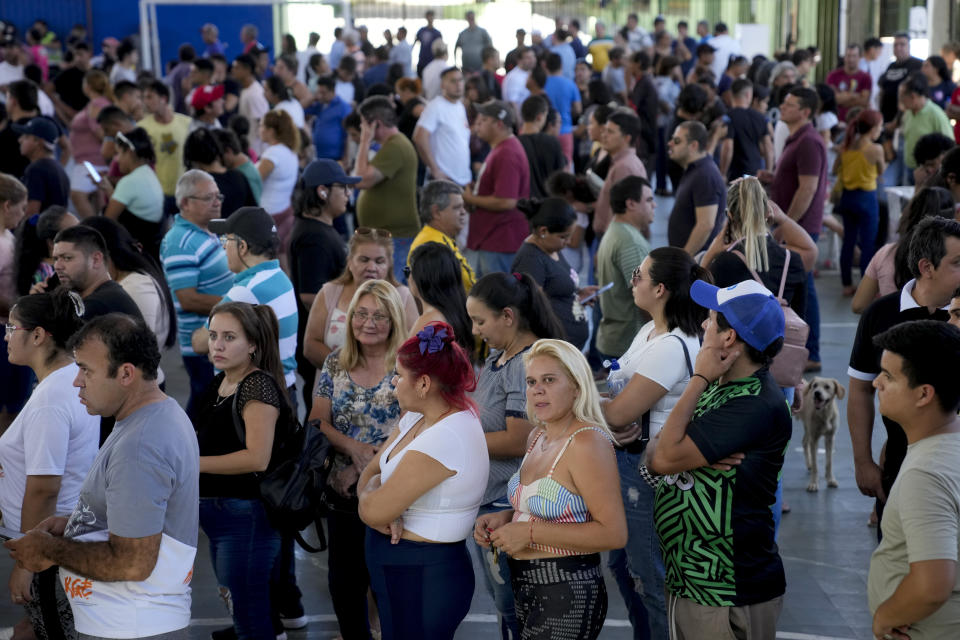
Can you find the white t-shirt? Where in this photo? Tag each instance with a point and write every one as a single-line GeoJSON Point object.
{"type": "Point", "coordinates": [278, 186]}
{"type": "Point", "coordinates": [295, 109]}
{"type": "Point", "coordinates": [725, 47]}
{"type": "Point", "coordinates": [147, 295]}
{"type": "Point", "coordinates": [662, 361]}
{"type": "Point", "coordinates": [514, 87]}
{"type": "Point", "coordinates": [253, 106]}
{"type": "Point", "coordinates": [431, 78]}
{"type": "Point", "coordinates": [52, 436]}
{"type": "Point", "coordinates": [449, 137]}
{"type": "Point", "coordinates": [10, 73]}
{"type": "Point", "coordinates": [446, 512]}
{"type": "Point", "coordinates": [345, 90]}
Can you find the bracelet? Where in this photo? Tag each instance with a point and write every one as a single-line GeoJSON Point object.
{"type": "Point", "coordinates": [531, 535]}
{"type": "Point", "coordinates": [697, 375]}
{"type": "Point", "coordinates": [649, 478]}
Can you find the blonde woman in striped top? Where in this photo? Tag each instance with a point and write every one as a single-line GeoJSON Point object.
{"type": "Point", "coordinates": [565, 509]}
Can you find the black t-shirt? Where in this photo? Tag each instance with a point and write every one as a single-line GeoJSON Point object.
{"type": "Point", "coordinates": [647, 104]}
{"type": "Point", "coordinates": [890, 81]}
{"type": "Point", "coordinates": [545, 155]}
{"type": "Point", "coordinates": [700, 186]}
{"type": "Point", "coordinates": [728, 269]}
{"type": "Point", "coordinates": [236, 191]}
{"type": "Point", "coordinates": [555, 277]}
{"type": "Point", "coordinates": [882, 314]}
{"type": "Point", "coordinates": [110, 297]}
{"type": "Point", "coordinates": [716, 527]}
{"type": "Point", "coordinates": [10, 159]}
{"type": "Point", "coordinates": [47, 182]}
{"type": "Point", "coordinates": [217, 433]}
{"type": "Point", "coordinates": [747, 129]}
{"type": "Point", "coordinates": [318, 254]}
{"type": "Point", "coordinates": [69, 85]}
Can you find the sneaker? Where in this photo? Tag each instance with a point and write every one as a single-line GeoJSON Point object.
{"type": "Point", "coordinates": [293, 617]}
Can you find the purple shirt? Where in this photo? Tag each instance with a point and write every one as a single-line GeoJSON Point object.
{"type": "Point", "coordinates": [805, 154]}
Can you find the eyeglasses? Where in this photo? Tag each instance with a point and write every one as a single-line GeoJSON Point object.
{"type": "Point", "coordinates": [219, 197]}
{"type": "Point", "coordinates": [225, 239]}
{"type": "Point", "coordinates": [637, 277]}
{"type": "Point", "coordinates": [10, 328]}
{"type": "Point", "coordinates": [379, 319]}
{"type": "Point", "coordinates": [374, 233]}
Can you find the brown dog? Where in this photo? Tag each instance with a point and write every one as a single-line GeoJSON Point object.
{"type": "Point", "coordinates": [819, 416]}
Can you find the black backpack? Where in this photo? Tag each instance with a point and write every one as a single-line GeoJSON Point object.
{"type": "Point", "coordinates": [292, 488]}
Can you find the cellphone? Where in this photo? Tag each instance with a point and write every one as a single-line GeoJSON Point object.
{"type": "Point", "coordinates": [593, 295]}
{"type": "Point", "coordinates": [94, 174]}
{"type": "Point", "coordinates": [9, 534]}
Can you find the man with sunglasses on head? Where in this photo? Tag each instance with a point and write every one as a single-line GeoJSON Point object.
{"type": "Point", "coordinates": [196, 268]}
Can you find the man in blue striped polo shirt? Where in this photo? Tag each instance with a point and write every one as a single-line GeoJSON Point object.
{"type": "Point", "coordinates": [196, 269]}
{"type": "Point", "coordinates": [250, 240]}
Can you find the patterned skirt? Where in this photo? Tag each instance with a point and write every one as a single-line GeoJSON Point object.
{"type": "Point", "coordinates": [49, 611]}
{"type": "Point", "coordinates": [559, 598]}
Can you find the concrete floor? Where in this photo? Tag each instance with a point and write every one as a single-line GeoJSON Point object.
{"type": "Point", "coordinates": [825, 541]}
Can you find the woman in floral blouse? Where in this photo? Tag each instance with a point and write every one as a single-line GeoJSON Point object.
{"type": "Point", "coordinates": [356, 409]}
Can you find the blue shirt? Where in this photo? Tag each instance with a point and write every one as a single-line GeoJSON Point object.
{"type": "Point", "coordinates": [562, 93]}
{"type": "Point", "coordinates": [193, 259]}
{"type": "Point", "coordinates": [569, 58]}
{"type": "Point", "coordinates": [267, 284]}
{"type": "Point", "coordinates": [376, 74]}
{"type": "Point", "coordinates": [328, 133]}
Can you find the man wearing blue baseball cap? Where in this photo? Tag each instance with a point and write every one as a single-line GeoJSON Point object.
{"type": "Point", "coordinates": [46, 181]}
{"type": "Point", "coordinates": [720, 453]}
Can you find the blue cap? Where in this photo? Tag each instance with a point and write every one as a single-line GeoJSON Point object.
{"type": "Point", "coordinates": [42, 127]}
{"type": "Point", "coordinates": [749, 307]}
{"type": "Point", "coordinates": [326, 172]}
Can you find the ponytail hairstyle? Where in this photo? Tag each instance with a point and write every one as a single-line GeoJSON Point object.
{"type": "Point", "coordinates": [586, 406]}
{"type": "Point", "coordinates": [435, 352]}
{"type": "Point", "coordinates": [520, 292]}
{"type": "Point", "coordinates": [553, 213]}
{"type": "Point", "coordinates": [747, 208]}
{"type": "Point", "coordinates": [866, 120]}
{"type": "Point", "coordinates": [676, 270]}
{"type": "Point", "coordinates": [58, 312]}
{"type": "Point", "coordinates": [435, 270]}
{"type": "Point", "coordinates": [260, 326]}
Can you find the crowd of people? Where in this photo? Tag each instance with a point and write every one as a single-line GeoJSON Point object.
{"type": "Point", "coordinates": [438, 266]}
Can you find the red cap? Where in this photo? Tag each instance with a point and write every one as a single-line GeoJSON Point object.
{"type": "Point", "coordinates": [206, 94]}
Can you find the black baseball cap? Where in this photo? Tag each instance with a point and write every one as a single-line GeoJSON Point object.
{"type": "Point", "coordinates": [247, 223]}
{"type": "Point", "coordinates": [41, 126]}
{"type": "Point", "coordinates": [498, 110]}
{"type": "Point", "coordinates": [326, 172]}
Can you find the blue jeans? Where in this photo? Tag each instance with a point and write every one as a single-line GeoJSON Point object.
{"type": "Point", "coordinates": [484, 262]}
{"type": "Point", "coordinates": [638, 567]}
{"type": "Point", "coordinates": [812, 315]}
{"type": "Point", "coordinates": [200, 371]}
{"type": "Point", "coordinates": [499, 587]}
{"type": "Point", "coordinates": [243, 550]}
{"type": "Point", "coordinates": [423, 589]}
{"type": "Point", "coordinates": [861, 217]}
{"type": "Point", "coordinates": [401, 247]}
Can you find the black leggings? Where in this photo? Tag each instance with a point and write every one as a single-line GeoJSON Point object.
{"type": "Point", "coordinates": [559, 598]}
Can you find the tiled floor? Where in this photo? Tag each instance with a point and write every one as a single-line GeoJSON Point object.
{"type": "Point", "coordinates": [824, 541]}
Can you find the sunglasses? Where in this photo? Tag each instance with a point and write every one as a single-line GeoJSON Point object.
{"type": "Point", "coordinates": [637, 277]}
{"type": "Point", "coordinates": [374, 233]}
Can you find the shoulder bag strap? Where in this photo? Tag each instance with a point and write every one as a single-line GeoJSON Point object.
{"type": "Point", "coordinates": [783, 276]}
{"type": "Point", "coordinates": [739, 254]}
{"type": "Point", "coordinates": [686, 354]}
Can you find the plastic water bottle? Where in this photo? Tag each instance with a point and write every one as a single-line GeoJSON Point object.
{"type": "Point", "coordinates": [614, 384]}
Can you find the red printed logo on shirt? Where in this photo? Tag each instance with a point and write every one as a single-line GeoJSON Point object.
{"type": "Point", "coordinates": [78, 588]}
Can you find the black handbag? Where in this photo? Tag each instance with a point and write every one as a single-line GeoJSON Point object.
{"type": "Point", "coordinates": [292, 488]}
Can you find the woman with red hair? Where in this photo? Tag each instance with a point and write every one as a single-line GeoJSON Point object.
{"type": "Point", "coordinates": [858, 165]}
{"type": "Point", "coordinates": [420, 495]}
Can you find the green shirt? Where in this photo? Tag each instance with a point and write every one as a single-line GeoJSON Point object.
{"type": "Point", "coordinates": [250, 172]}
{"type": "Point", "coordinates": [930, 119]}
{"type": "Point", "coordinates": [621, 250]}
{"type": "Point", "coordinates": [391, 204]}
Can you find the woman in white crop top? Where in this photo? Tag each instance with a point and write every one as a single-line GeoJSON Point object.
{"type": "Point", "coordinates": [420, 495]}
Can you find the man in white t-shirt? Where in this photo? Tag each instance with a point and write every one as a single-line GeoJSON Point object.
{"type": "Point", "coordinates": [515, 83]}
{"type": "Point", "coordinates": [725, 46]}
{"type": "Point", "coordinates": [253, 104]}
{"type": "Point", "coordinates": [874, 63]}
{"type": "Point", "coordinates": [442, 135]}
{"type": "Point", "coordinates": [126, 553]}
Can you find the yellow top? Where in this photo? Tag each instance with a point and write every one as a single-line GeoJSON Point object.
{"type": "Point", "coordinates": [857, 172]}
{"type": "Point", "coordinates": [430, 234]}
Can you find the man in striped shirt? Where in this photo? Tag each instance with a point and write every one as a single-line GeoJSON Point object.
{"type": "Point", "coordinates": [196, 268]}
{"type": "Point", "coordinates": [250, 240]}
